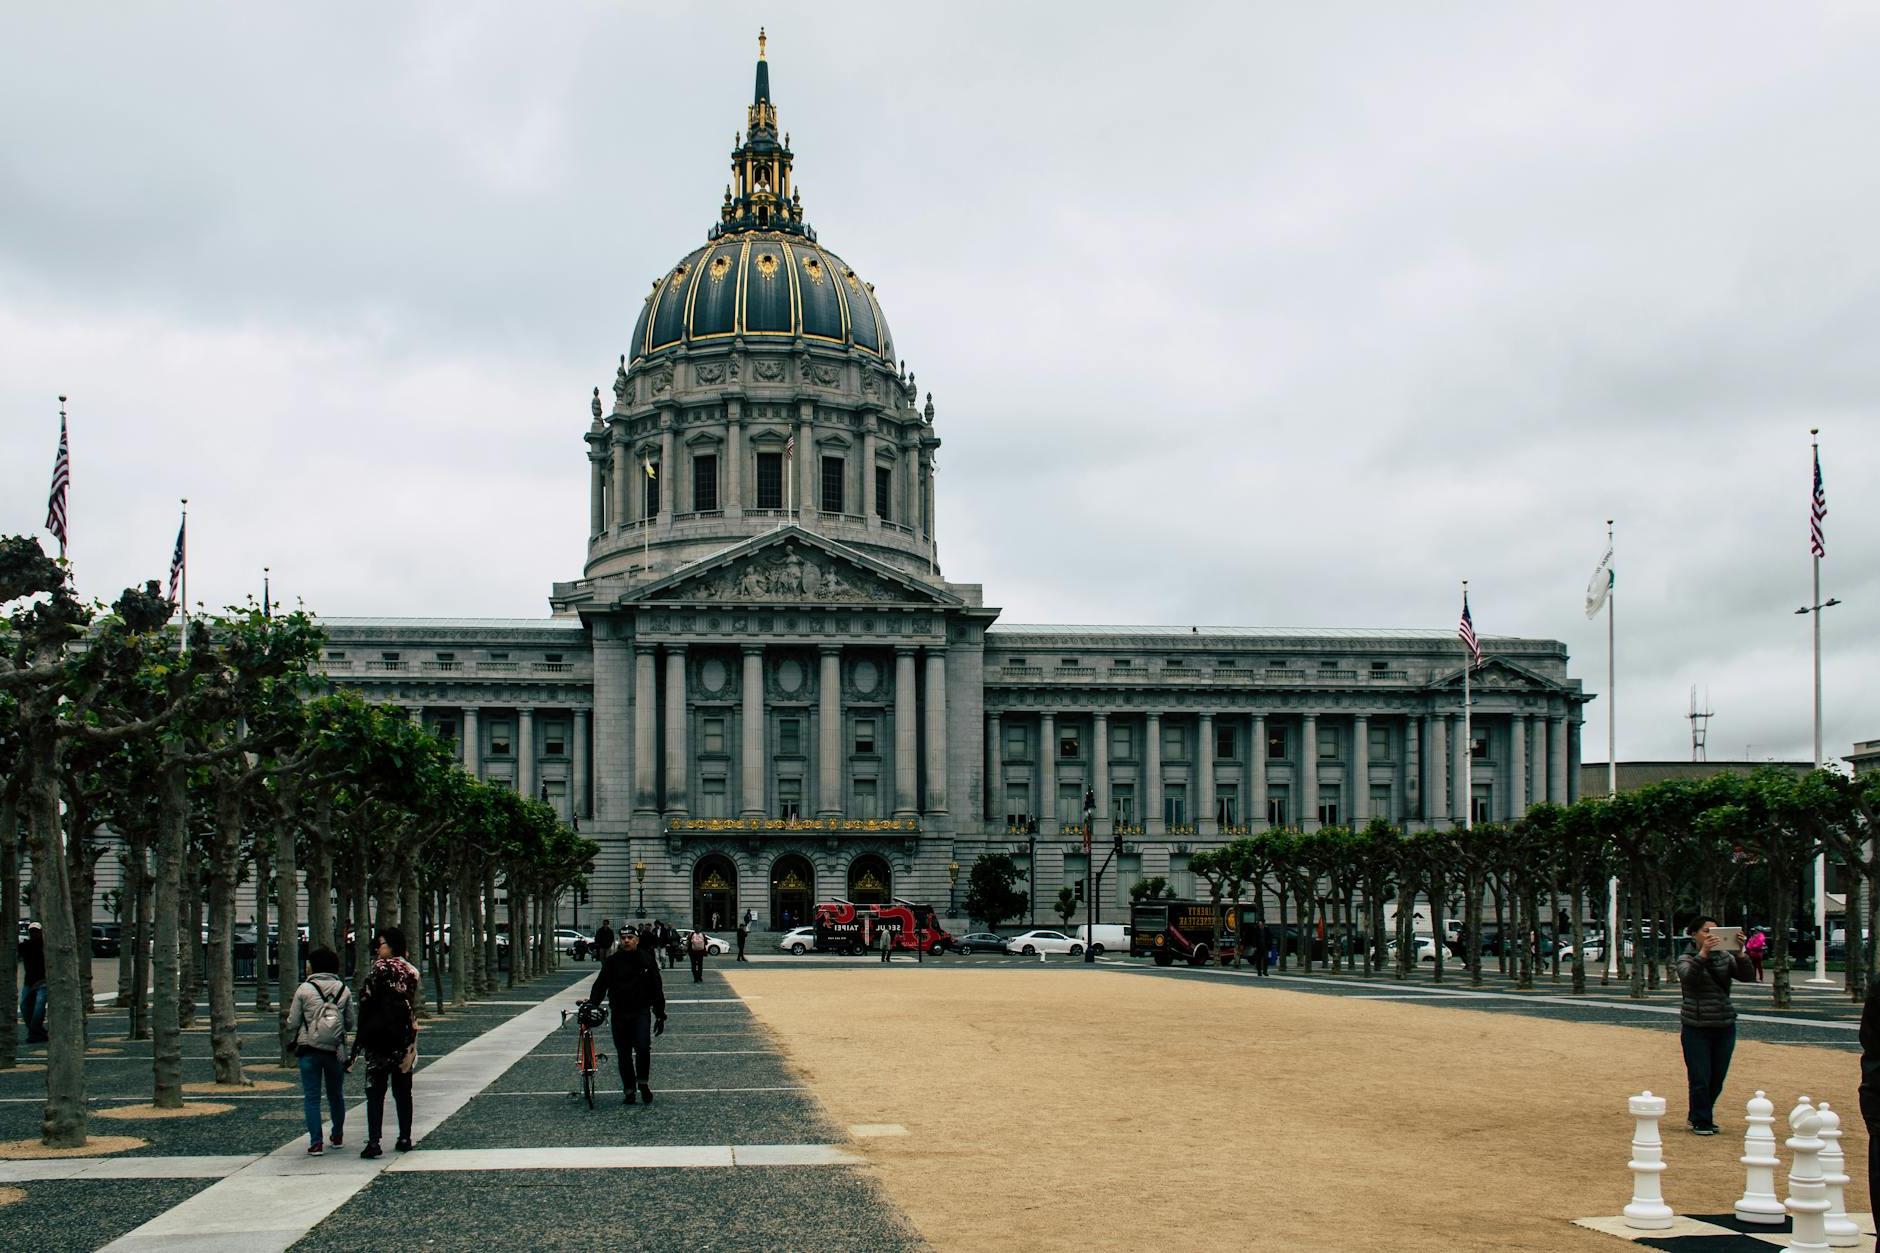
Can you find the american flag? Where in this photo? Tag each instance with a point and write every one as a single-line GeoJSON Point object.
{"type": "Point", "coordinates": [1465, 631]}
{"type": "Point", "coordinates": [789, 447]}
{"type": "Point", "coordinates": [62, 478]}
{"type": "Point", "coordinates": [1817, 541]}
{"type": "Point", "coordinates": [176, 561]}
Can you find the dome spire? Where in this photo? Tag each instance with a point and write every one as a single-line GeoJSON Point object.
{"type": "Point", "coordinates": [761, 197]}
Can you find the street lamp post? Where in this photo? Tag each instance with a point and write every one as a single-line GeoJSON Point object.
{"type": "Point", "coordinates": [639, 873]}
{"type": "Point", "coordinates": [953, 886]}
{"type": "Point", "coordinates": [1090, 864]}
{"type": "Point", "coordinates": [1820, 977]}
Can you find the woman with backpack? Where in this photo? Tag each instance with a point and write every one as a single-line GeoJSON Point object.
{"type": "Point", "coordinates": [318, 1022]}
{"type": "Point", "coordinates": [388, 1036]}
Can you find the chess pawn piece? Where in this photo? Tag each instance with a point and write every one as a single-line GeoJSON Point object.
{"type": "Point", "coordinates": [1759, 1202]}
{"type": "Point", "coordinates": [1843, 1232]}
{"type": "Point", "coordinates": [1807, 1200]}
{"type": "Point", "coordinates": [1648, 1211]}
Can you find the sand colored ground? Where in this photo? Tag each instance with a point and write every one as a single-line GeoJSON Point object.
{"type": "Point", "coordinates": [1101, 1109]}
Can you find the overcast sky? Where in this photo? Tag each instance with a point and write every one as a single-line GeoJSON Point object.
{"type": "Point", "coordinates": [1274, 315]}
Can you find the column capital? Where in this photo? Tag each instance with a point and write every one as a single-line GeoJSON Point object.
{"type": "Point", "coordinates": [829, 650]}
{"type": "Point", "coordinates": [753, 650]}
{"type": "Point", "coordinates": [1099, 717]}
{"type": "Point", "coordinates": [675, 650]}
{"type": "Point", "coordinates": [906, 650]}
{"type": "Point", "coordinates": [644, 649]}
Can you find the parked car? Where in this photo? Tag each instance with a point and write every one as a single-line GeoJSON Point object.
{"type": "Point", "coordinates": [1032, 943]}
{"type": "Point", "coordinates": [106, 938]}
{"type": "Point", "coordinates": [572, 942]}
{"type": "Point", "coordinates": [798, 940]}
{"type": "Point", "coordinates": [1107, 937]}
{"type": "Point", "coordinates": [1426, 948]}
{"type": "Point", "coordinates": [978, 942]}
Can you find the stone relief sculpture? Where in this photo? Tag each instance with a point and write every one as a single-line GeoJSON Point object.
{"type": "Point", "coordinates": [709, 372]}
{"type": "Point", "coordinates": [661, 381]}
{"type": "Point", "coordinates": [785, 573]}
{"type": "Point", "coordinates": [768, 369]}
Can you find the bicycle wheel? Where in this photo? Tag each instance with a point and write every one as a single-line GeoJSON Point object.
{"type": "Point", "coordinates": [587, 1069]}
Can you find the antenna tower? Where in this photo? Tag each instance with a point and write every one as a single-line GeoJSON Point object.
{"type": "Point", "coordinates": [1700, 725]}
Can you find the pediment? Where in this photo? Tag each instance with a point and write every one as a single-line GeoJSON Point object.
{"type": "Point", "coordinates": [792, 567]}
{"type": "Point", "coordinates": [1499, 675]}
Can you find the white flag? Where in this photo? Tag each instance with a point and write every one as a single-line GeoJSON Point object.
{"type": "Point", "coordinates": [1600, 586]}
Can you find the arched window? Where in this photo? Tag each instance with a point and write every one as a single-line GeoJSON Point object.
{"type": "Point", "coordinates": [714, 892]}
{"type": "Point", "coordinates": [792, 892]}
{"type": "Point", "coordinates": [871, 882]}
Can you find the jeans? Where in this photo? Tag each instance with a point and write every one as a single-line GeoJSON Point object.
{"type": "Point", "coordinates": [1706, 1061]}
{"type": "Point", "coordinates": [33, 1013]}
{"type": "Point", "coordinates": [633, 1047]}
{"type": "Point", "coordinates": [316, 1067]}
{"type": "Point", "coordinates": [698, 967]}
{"type": "Point", "coordinates": [375, 1101]}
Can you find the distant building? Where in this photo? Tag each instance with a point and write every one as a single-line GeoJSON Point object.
{"type": "Point", "coordinates": [1634, 775]}
{"type": "Point", "coordinates": [1865, 758]}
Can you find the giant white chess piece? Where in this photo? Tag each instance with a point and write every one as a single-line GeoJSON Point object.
{"type": "Point", "coordinates": [1759, 1202]}
{"type": "Point", "coordinates": [1843, 1232]}
{"type": "Point", "coordinates": [1648, 1211]}
{"type": "Point", "coordinates": [1802, 1106]}
{"type": "Point", "coordinates": [1808, 1193]}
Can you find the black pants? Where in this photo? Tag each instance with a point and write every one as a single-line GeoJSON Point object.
{"type": "Point", "coordinates": [633, 1047]}
{"type": "Point", "coordinates": [1259, 959]}
{"type": "Point", "coordinates": [375, 1101]}
{"type": "Point", "coordinates": [743, 938]}
{"type": "Point", "coordinates": [698, 967]}
{"type": "Point", "coordinates": [1707, 1053]}
{"type": "Point", "coordinates": [1870, 1114]}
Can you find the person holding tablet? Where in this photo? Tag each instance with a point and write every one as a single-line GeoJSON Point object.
{"type": "Point", "coordinates": [1707, 1019]}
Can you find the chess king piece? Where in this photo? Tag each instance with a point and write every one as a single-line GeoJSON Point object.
{"type": "Point", "coordinates": [1759, 1202]}
{"type": "Point", "coordinates": [1808, 1194]}
{"type": "Point", "coordinates": [1843, 1232]}
{"type": "Point", "coordinates": [1648, 1211]}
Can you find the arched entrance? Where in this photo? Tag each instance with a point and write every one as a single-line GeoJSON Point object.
{"type": "Point", "coordinates": [870, 880]}
{"type": "Point", "coordinates": [792, 892]}
{"type": "Point", "coordinates": [714, 892]}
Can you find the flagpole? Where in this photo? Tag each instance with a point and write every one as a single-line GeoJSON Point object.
{"type": "Point", "coordinates": [1612, 758]}
{"type": "Point", "coordinates": [1820, 977]}
{"type": "Point", "coordinates": [63, 445]}
{"type": "Point", "coordinates": [185, 579]}
{"type": "Point", "coordinates": [1468, 736]}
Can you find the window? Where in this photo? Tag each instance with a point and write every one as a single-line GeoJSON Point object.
{"type": "Point", "coordinates": [447, 729]}
{"type": "Point", "coordinates": [1328, 741]}
{"type": "Point", "coordinates": [1379, 665]}
{"type": "Point", "coordinates": [1276, 743]}
{"type": "Point", "coordinates": [1174, 661]}
{"type": "Point", "coordinates": [790, 737]}
{"type": "Point", "coordinates": [1067, 661]}
{"type": "Point", "coordinates": [1175, 804]}
{"type": "Point", "coordinates": [770, 480]}
{"type": "Point", "coordinates": [1224, 741]}
{"type": "Point", "coordinates": [1123, 743]}
{"type": "Point", "coordinates": [1226, 663]}
{"type": "Point", "coordinates": [789, 798]}
{"type": "Point", "coordinates": [867, 803]}
{"type": "Point", "coordinates": [1227, 805]}
{"type": "Point", "coordinates": [1017, 805]}
{"type": "Point", "coordinates": [864, 737]}
{"type": "Point", "coordinates": [1016, 748]}
{"type": "Point", "coordinates": [1479, 805]}
{"type": "Point", "coordinates": [884, 492]}
{"type": "Point", "coordinates": [1328, 806]}
{"type": "Point", "coordinates": [1478, 743]}
{"type": "Point", "coordinates": [447, 656]}
{"type": "Point", "coordinates": [705, 482]}
{"type": "Point", "coordinates": [333, 654]}
{"type": "Point", "coordinates": [832, 485]}
{"type": "Point", "coordinates": [1380, 801]}
{"type": "Point", "coordinates": [499, 656]}
{"type": "Point", "coordinates": [388, 656]}
{"type": "Point", "coordinates": [552, 657]}
{"type": "Point", "coordinates": [650, 494]}
{"type": "Point", "coordinates": [1279, 805]}
{"type": "Point", "coordinates": [1380, 743]}
{"type": "Point", "coordinates": [1174, 744]}
{"type": "Point", "coordinates": [1328, 665]}
{"type": "Point", "coordinates": [1275, 663]}
{"type": "Point", "coordinates": [499, 739]}
{"type": "Point", "coordinates": [1070, 805]}
{"type": "Point", "coordinates": [1070, 742]}
{"type": "Point", "coordinates": [1123, 802]}
{"type": "Point", "coordinates": [555, 739]}
{"type": "Point", "coordinates": [712, 801]}
{"type": "Point", "coordinates": [1121, 663]}
{"type": "Point", "coordinates": [712, 733]}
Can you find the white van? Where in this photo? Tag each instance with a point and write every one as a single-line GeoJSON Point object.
{"type": "Point", "coordinates": [1110, 937]}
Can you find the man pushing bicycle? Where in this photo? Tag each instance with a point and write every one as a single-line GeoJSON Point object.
{"type": "Point", "coordinates": [629, 979]}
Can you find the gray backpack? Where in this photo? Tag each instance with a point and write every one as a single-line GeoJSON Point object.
{"type": "Point", "coordinates": [326, 1027]}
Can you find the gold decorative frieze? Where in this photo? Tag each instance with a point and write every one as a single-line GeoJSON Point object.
{"type": "Point", "coordinates": [794, 824]}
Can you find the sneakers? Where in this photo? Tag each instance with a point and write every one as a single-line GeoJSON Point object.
{"type": "Point", "coordinates": [314, 1150]}
{"type": "Point", "coordinates": [629, 1098]}
{"type": "Point", "coordinates": [337, 1141]}
{"type": "Point", "coordinates": [403, 1145]}
{"type": "Point", "coordinates": [372, 1150]}
{"type": "Point", "coordinates": [646, 1094]}
{"type": "Point", "coordinates": [1711, 1130]}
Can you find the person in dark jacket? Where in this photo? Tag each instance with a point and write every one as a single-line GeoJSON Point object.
{"type": "Point", "coordinates": [1707, 1019]}
{"type": "Point", "coordinates": [388, 1036]}
{"type": "Point", "coordinates": [604, 940]}
{"type": "Point", "coordinates": [1870, 1081]}
{"type": "Point", "coordinates": [33, 984]}
{"type": "Point", "coordinates": [636, 1003]}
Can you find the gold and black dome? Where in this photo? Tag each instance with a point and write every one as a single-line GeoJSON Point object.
{"type": "Point", "coordinates": [762, 275]}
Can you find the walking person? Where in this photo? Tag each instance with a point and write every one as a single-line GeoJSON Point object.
{"type": "Point", "coordinates": [33, 985]}
{"type": "Point", "coordinates": [1707, 1019]}
{"type": "Point", "coordinates": [1870, 1082]}
{"type": "Point", "coordinates": [744, 932]}
{"type": "Point", "coordinates": [636, 1003]}
{"type": "Point", "coordinates": [388, 1036]}
{"type": "Point", "coordinates": [1258, 940]}
{"type": "Point", "coordinates": [887, 945]}
{"type": "Point", "coordinates": [318, 1022]}
{"type": "Point", "coordinates": [1756, 949]}
{"type": "Point", "coordinates": [696, 945]}
{"type": "Point", "coordinates": [604, 940]}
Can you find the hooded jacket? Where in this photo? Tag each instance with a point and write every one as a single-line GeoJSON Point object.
{"type": "Point", "coordinates": [304, 1023]}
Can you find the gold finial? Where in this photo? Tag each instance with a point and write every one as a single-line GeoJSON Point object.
{"type": "Point", "coordinates": [760, 43]}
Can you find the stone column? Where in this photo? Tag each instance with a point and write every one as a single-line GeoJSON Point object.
{"type": "Point", "coordinates": [1100, 771]}
{"type": "Point", "coordinates": [1536, 759]}
{"type": "Point", "coordinates": [472, 744]}
{"type": "Point", "coordinates": [1153, 821]}
{"type": "Point", "coordinates": [578, 803]}
{"type": "Point", "coordinates": [1358, 777]}
{"type": "Point", "coordinates": [597, 496]}
{"type": "Point", "coordinates": [995, 775]}
{"type": "Point", "coordinates": [1205, 823]}
{"type": "Point", "coordinates": [905, 733]}
{"type": "Point", "coordinates": [751, 773]}
{"type": "Point", "coordinates": [1256, 769]}
{"type": "Point", "coordinates": [1557, 760]}
{"type": "Point", "coordinates": [525, 753]}
{"type": "Point", "coordinates": [867, 502]}
{"type": "Point", "coordinates": [1436, 769]}
{"type": "Point", "coordinates": [807, 498]}
{"type": "Point", "coordinates": [829, 740]}
{"type": "Point", "coordinates": [936, 731]}
{"type": "Point", "coordinates": [623, 511]}
{"type": "Point", "coordinates": [678, 734]}
{"type": "Point", "coordinates": [668, 473]}
{"type": "Point", "coordinates": [1411, 768]}
{"type": "Point", "coordinates": [1459, 777]}
{"type": "Point", "coordinates": [1573, 761]}
{"type": "Point", "coordinates": [1047, 774]}
{"type": "Point", "coordinates": [1308, 772]}
{"type": "Point", "coordinates": [645, 731]}
{"type": "Point", "coordinates": [1517, 766]}
{"type": "Point", "coordinates": [733, 502]}
{"type": "Point", "coordinates": [910, 499]}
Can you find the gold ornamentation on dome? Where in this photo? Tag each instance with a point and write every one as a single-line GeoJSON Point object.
{"type": "Point", "coordinates": [715, 882]}
{"type": "Point", "coordinates": [721, 266]}
{"type": "Point", "coordinates": [767, 264]}
{"type": "Point", "coordinates": [854, 283]}
{"type": "Point", "coordinates": [869, 883]}
{"type": "Point", "coordinates": [678, 274]}
{"type": "Point", "coordinates": [813, 268]}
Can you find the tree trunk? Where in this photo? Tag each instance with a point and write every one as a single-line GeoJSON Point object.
{"type": "Point", "coordinates": [1636, 912]}
{"type": "Point", "coordinates": [490, 965]}
{"type": "Point", "coordinates": [1437, 889]}
{"type": "Point", "coordinates": [224, 867]}
{"type": "Point", "coordinates": [362, 947]}
{"type": "Point", "coordinates": [81, 857]}
{"type": "Point", "coordinates": [190, 944]}
{"type": "Point", "coordinates": [1279, 896]}
{"type": "Point", "coordinates": [9, 925]}
{"type": "Point", "coordinates": [1578, 905]}
{"type": "Point", "coordinates": [320, 932]}
{"type": "Point", "coordinates": [262, 887]}
{"type": "Point", "coordinates": [460, 950]}
{"type": "Point", "coordinates": [411, 922]}
{"type": "Point", "coordinates": [63, 1125]}
{"type": "Point", "coordinates": [287, 914]}
{"type": "Point", "coordinates": [1406, 931]}
{"type": "Point", "coordinates": [1501, 930]}
{"type": "Point", "coordinates": [139, 1000]}
{"type": "Point", "coordinates": [434, 939]}
{"type": "Point", "coordinates": [166, 1053]}
{"type": "Point", "coordinates": [1781, 909]}
{"type": "Point", "coordinates": [129, 894]}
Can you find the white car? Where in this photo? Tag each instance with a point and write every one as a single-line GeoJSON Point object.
{"type": "Point", "coordinates": [1032, 943]}
{"type": "Point", "coordinates": [566, 939]}
{"type": "Point", "coordinates": [714, 946]}
{"type": "Point", "coordinates": [1426, 949]}
{"type": "Point", "coordinates": [798, 940]}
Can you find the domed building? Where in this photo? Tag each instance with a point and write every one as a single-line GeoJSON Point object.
{"type": "Point", "coordinates": [762, 692]}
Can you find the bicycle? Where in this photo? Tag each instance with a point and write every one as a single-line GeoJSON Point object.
{"type": "Point", "coordinates": [586, 1058]}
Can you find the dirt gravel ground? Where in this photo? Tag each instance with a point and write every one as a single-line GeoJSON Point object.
{"type": "Point", "coordinates": [1089, 1108]}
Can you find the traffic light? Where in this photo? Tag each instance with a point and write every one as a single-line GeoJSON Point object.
{"type": "Point", "coordinates": [1117, 844]}
{"type": "Point", "coordinates": [1078, 887]}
